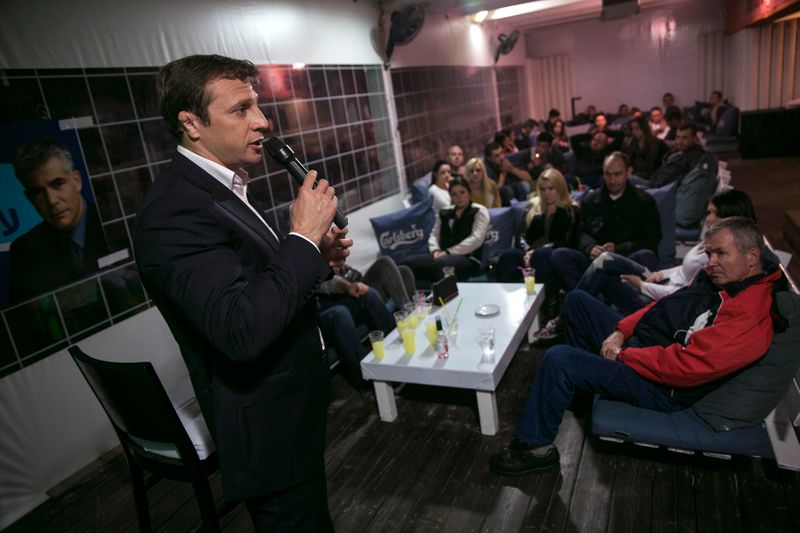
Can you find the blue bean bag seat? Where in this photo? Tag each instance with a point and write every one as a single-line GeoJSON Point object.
{"type": "Point", "coordinates": [683, 430]}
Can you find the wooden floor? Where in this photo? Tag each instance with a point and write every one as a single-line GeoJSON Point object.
{"type": "Point", "coordinates": [428, 470]}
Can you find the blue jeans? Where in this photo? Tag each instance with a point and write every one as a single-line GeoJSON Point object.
{"type": "Point", "coordinates": [340, 332]}
{"type": "Point", "coordinates": [571, 264]}
{"type": "Point", "coordinates": [368, 309]}
{"type": "Point", "coordinates": [602, 278]}
{"type": "Point", "coordinates": [567, 369]}
{"type": "Point", "coordinates": [518, 190]}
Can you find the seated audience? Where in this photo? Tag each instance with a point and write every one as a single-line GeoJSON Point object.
{"type": "Point", "coordinates": [455, 158]}
{"type": "Point", "coordinates": [645, 151]}
{"type": "Point", "coordinates": [674, 117]}
{"type": "Point", "coordinates": [664, 357]}
{"type": "Point", "coordinates": [709, 117]}
{"type": "Point", "coordinates": [456, 239]}
{"type": "Point", "coordinates": [590, 156]}
{"type": "Point", "coordinates": [658, 125]}
{"type": "Point", "coordinates": [484, 190]}
{"type": "Point", "coordinates": [523, 138]}
{"type": "Point", "coordinates": [600, 123]}
{"type": "Point", "coordinates": [512, 182]}
{"type": "Point", "coordinates": [587, 117]}
{"type": "Point", "coordinates": [617, 217]}
{"type": "Point", "coordinates": [552, 116]}
{"type": "Point", "coordinates": [504, 139]}
{"type": "Point", "coordinates": [629, 286]}
{"type": "Point", "coordinates": [545, 155]}
{"type": "Point", "coordinates": [551, 221]}
{"type": "Point", "coordinates": [440, 179]}
{"type": "Point", "coordinates": [685, 157]}
{"type": "Point", "coordinates": [559, 133]}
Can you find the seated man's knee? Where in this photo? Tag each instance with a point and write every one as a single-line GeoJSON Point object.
{"type": "Point", "coordinates": [337, 317]}
{"type": "Point", "coordinates": [559, 358]}
{"type": "Point", "coordinates": [577, 299]}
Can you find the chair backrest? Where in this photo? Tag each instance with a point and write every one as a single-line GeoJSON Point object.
{"type": "Point", "coordinates": [136, 403]}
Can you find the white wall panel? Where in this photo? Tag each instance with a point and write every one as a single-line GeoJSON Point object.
{"type": "Point", "coordinates": [113, 33]}
{"type": "Point", "coordinates": [636, 59]}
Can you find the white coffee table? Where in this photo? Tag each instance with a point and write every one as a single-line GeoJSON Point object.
{"type": "Point", "coordinates": [465, 368]}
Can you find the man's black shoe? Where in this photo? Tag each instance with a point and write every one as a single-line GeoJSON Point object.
{"type": "Point", "coordinates": [519, 458]}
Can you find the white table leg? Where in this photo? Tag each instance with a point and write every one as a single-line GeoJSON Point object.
{"type": "Point", "coordinates": [487, 412]}
{"type": "Point", "coordinates": [384, 395]}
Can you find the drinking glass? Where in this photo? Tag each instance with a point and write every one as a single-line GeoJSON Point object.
{"type": "Point", "coordinates": [529, 275]}
{"type": "Point", "coordinates": [376, 340]}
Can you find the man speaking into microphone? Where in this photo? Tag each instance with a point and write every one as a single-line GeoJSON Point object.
{"type": "Point", "coordinates": [238, 295]}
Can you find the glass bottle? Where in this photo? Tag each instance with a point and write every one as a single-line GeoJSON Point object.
{"type": "Point", "coordinates": [442, 351]}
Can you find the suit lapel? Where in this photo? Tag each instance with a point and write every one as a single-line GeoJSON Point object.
{"type": "Point", "coordinates": [225, 198]}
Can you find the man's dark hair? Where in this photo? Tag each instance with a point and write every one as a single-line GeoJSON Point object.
{"type": "Point", "coordinates": [32, 155]}
{"type": "Point", "coordinates": [489, 148]}
{"type": "Point", "coordinates": [667, 94]}
{"type": "Point", "coordinates": [673, 112]}
{"type": "Point", "coordinates": [746, 234]}
{"type": "Point", "coordinates": [463, 182]}
{"type": "Point", "coordinates": [544, 137]}
{"type": "Point", "coordinates": [655, 108]}
{"type": "Point", "coordinates": [553, 113]}
{"type": "Point", "coordinates": [530, 123]}
{"type": "Point", "coordinates": [691, 126]}
{"type": "Point", "coordinates": [181, 85]}
{"type": "Point", "coordinates": [718, 93]}
{"type": "Point", "coordinates": [436, 166]}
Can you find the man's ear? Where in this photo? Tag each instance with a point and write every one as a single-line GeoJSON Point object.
{"type": "Point", "coordinates": [78, 181]}
{"type": "Point", "coordinates": [753, 258]}
{"type": "Point", "coordinates": [189, 122]}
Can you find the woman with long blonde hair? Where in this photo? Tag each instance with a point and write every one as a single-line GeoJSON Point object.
{"type": "Point", "coordinates": [484, 189]}
{"type": "Point", "coordinates": [552, 221]}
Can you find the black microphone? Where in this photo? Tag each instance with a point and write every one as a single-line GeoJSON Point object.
{"type": "Point", "coordinates": [286, 158]}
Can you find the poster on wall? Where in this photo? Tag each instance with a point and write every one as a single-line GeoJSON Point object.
{"type": "Point", "coordinates": [50, 231]}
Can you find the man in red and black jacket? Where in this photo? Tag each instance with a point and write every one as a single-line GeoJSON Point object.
{"type": "Point", "coordinates": [663, 357]}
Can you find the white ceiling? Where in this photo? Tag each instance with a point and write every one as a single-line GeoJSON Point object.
{"type": "Point", "coordinates": [551, 12]}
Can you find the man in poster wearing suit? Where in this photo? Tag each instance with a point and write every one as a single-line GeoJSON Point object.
{"type": "Point", "coordinates": [68, 242]}
{"type": "Point", "coordinates": [239, 296]}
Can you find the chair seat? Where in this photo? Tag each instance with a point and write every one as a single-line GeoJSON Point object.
{"type": "Point", "coordinates": [196, 428]}
{"type": "Point", "coordinates": [680, 429]}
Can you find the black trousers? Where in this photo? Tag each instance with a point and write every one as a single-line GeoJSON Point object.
{"type": "Point", "coordinates": [299, 508]}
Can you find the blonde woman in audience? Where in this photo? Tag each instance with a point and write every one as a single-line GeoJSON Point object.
{"type": "Point", "coordinates": [484, 190]}
{"type": "Point", "coordinates": [440, 184]}
{"type": "Point", "coordinates": [552, 221]}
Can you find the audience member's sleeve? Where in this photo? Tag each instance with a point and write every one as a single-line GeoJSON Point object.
{"type": "Point", "coordinates": [331, 286]}
{"type": "Point", "coordinates": [433, 240]}
{"type": "Point", "coordinates": [649, 231]}
{"type": "Point", "coordinates": [732, 342]}
{"type": "Point", "coordinates": [628, 324]}
{"type": "Point", "coordinates": [656, 291]}
{"type": "Point", "coordinates": [475, 240]}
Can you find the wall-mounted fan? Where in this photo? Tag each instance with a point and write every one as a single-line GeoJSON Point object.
{"type": "Point", "coordinates": [505, 43]}
{"type": "Point", "coordinates": [405, 25]}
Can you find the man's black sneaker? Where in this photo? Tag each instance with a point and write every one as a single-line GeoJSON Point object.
{"type": "Point", "coordinates": [519, 458]}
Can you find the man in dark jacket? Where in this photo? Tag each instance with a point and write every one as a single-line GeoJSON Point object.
{"type": "Point", "coordinates": [663, 357]}
{"type": "Point", "coordinates": [680, 162]}
{"type": "Point", "coordinates": [617, 217]}
{"type": "Point", "coordinates": [69, 242]}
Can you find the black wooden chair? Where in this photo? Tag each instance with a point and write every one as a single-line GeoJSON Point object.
{"type": "Point", "coordinates": [158, 438]}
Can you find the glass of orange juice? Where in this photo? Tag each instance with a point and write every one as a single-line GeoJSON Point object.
{"type": "Point", "coordinates": [376, 340]}
{"type": "Point", "coordinates": [529, 275]}
{"type": "Point", "coordinates": [408, 340]}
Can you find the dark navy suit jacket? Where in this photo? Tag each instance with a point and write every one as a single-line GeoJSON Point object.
{"type": "Point", "coordinates": [240, 305]}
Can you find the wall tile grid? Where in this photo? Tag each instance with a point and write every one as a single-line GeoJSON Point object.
{"type": "Point", "coordinates": [334, 117]}
{"type": "Point", "coordinates": [441, 106]}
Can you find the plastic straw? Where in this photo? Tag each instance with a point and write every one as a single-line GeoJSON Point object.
{"type": "Point", "coordinates": [452, 321]}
